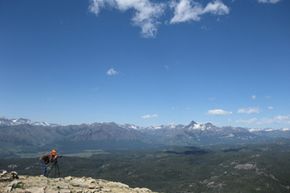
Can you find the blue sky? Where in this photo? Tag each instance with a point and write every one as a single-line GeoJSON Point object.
{"type": "Point", "coordinates": [146, 62]}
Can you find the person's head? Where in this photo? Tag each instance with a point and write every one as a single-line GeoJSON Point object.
{"type": "Point", "coordinates": [53, 153]}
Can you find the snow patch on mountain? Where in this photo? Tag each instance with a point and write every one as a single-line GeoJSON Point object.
{"type": "Point", "coordinates": [22, 121]}
{"type": "Point", "coordinates": [198, 126]}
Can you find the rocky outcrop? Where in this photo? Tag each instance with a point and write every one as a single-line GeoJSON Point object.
{"type": "Point", "coordinates": [11, 182]}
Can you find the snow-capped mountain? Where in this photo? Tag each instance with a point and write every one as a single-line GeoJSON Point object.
{"type": "Point", "coordinates": [201, 126]}
{"type": "Point", "coordinates": [10, 122]}
{"type": "Point", "coordinates": [195, 126]}
{"type": "Point", "coordinates": [192, 126]}
{"type": "Point", "coordinates": [130, 126]}
{"type": "Point", "coordinates": [24, 132]}
{"type": "Point", "coordinates": [22, 121]}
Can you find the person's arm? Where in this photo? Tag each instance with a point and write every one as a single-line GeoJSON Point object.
{"type": "Point", "coordinates": [44, 159]}
{"type": "Point", "coordinates": [53, 159]}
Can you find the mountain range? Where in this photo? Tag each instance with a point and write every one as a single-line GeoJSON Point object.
{"type": "Point", "coordinates": [23, 134]}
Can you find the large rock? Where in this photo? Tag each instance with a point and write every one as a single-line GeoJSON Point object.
{"type": "Point", "coordinates": [11, 182]}
{"type": "Point", "coordinates": [8, 176]}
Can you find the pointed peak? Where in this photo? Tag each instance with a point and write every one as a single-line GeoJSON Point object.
{"type": "Point", "coordinates": [192, 123]}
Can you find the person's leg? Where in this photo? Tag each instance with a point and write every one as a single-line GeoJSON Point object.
{"type": "Point", "coordinates": [57, 167]}
{"type": "Point", "coordinates": [43, 168]}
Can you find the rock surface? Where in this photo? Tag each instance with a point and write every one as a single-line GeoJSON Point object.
{"type": "Point", "coordinates": [11, 182]}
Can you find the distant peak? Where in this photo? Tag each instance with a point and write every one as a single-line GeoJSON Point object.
{"type": "Point", "coordinates": [200, 126]}
{"type": "Point", "coordinates": [193, 123]}
{"type": "Point", "coordinates": [22, 121]}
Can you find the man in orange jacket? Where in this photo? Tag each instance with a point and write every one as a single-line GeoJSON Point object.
{"type": "Point", "coordinates": [46, 159]}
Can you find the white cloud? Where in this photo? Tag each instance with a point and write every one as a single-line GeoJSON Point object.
{"type": "Point", "coordinates": [270, 108]}
{"type": "Point", "coordinates": [149, 116]}
{"type": "Point", "coordinates": [146, 13]}
{"type": "Point", "coordinates": [217, 8]}
{"type": "Point", "coordinates": [248, 121]}
{"type": "Point", "coordinates": [269, 1]}
{"type": "Point", "coordinates": [189, 10]}
{"type": "Point", "coordinates": [112, 72]}
{"type": "Point", "coordinates": [279, 119]}
{"type": "Point", "coordinates": [96, 6]}
{"type": "Point", "coordinates": [218, 112]}
{"type": "Point", "coordinates": [254, 97]}
{"type": "Point", "coordinates": [249, 110]}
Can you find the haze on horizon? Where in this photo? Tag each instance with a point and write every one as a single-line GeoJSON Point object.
{"type": "Point", "coordinates": [146, 62]}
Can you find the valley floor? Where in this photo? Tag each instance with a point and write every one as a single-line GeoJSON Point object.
{"type": "Point", "coordinates": [243, 169]}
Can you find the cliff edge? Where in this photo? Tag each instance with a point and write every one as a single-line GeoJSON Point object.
{"type": "Point", "coordinates": [11, 182]}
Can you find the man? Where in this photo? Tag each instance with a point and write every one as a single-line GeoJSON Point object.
{"type": "Point", "coordinates": [46, 159]}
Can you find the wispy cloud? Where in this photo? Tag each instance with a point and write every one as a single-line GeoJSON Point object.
{"type": "Point", "coordinates": [279, 119]}
{"type": "Point", "coordinates": [269, 1]}
{"type": "Point", "coordinates": [248, 121]}
{"type": "Point", "coordinates": [254, 97]}
{"type": "Point", "coordinates": [189, 10]}
{"type": "Point", "coordinates": [218, 112]}
{"type": "Point", "coordinates": [249, 110]}
{"type": "Point", "coordinates": [146, 13]}
{"type": "Point", "coordinates": [149, 116]}
{"type": "Point", "coordinates": [270, 108]}
{"type": "Point", "coordinates": [112, 72]}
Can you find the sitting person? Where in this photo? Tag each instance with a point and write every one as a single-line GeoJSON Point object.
{"type": "Point", "coordinates": [46, 159]}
